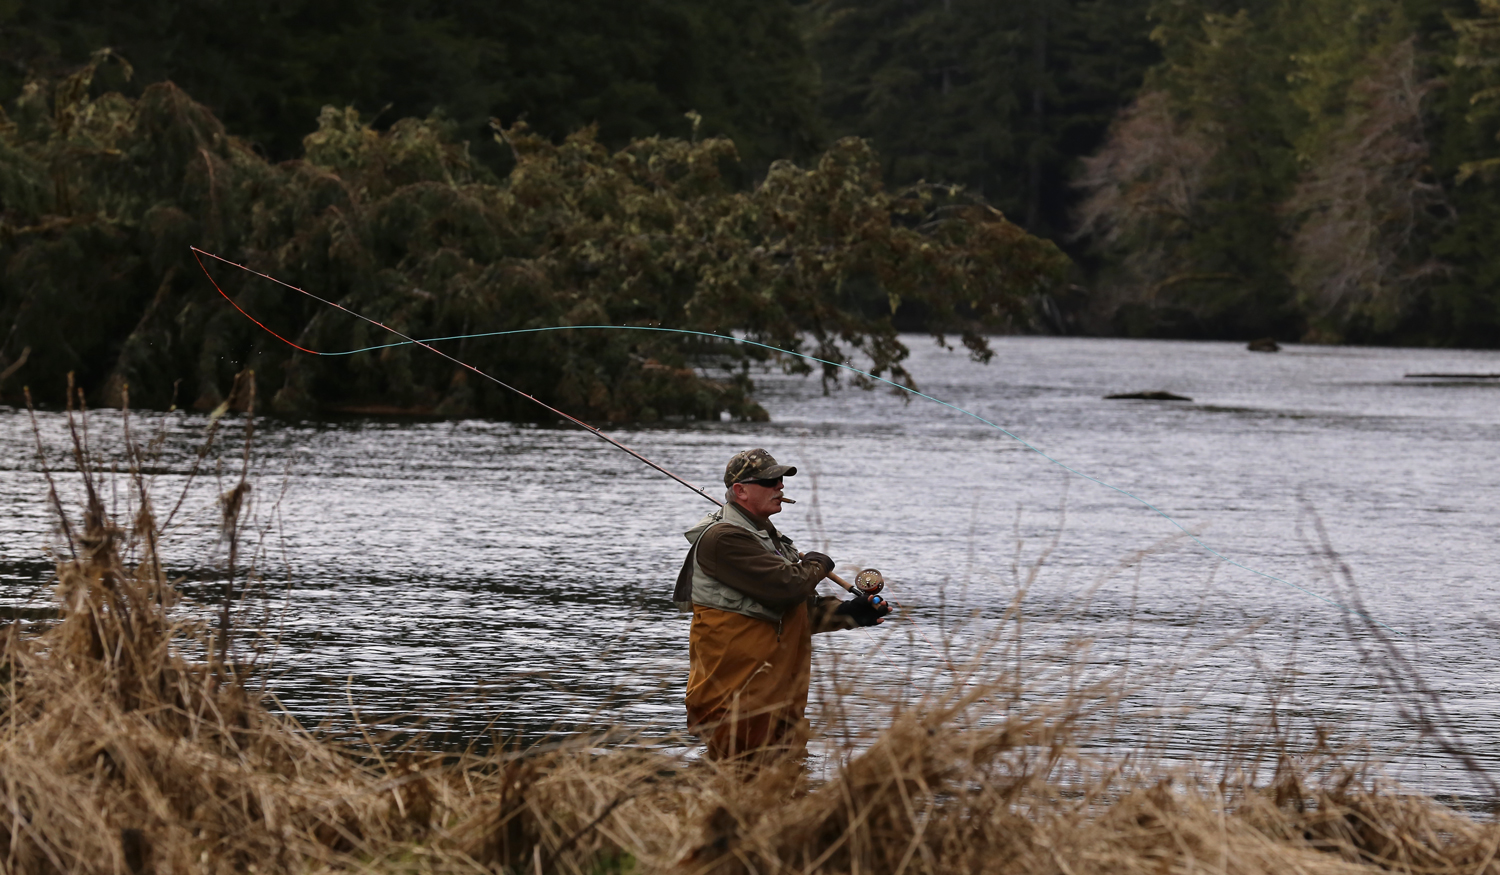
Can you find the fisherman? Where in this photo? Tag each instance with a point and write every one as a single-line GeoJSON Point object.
{"type": "Point", "coordinates": [755, 609]}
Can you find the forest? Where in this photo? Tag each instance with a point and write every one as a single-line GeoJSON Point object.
{"type": "Point", "coordinates": [814, 174]}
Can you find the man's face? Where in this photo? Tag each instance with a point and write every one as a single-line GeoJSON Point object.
{"type": "Point", "coordinates": [760, 497]}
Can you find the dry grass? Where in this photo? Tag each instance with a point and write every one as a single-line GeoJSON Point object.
{"type": "Point", "coordinates": [131, 744]}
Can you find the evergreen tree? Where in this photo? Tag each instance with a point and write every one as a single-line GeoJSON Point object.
{"type": "Point", "coordinates": [1208, 139]}
{"type": "Point", "coordinates": [1278, 176]}
{"type": "Point", "coordinates": [998, 97]}
{"type": "Point", "coordinates": [1464, 306]}
{"type": "Point", "coordinates": [632, 69]}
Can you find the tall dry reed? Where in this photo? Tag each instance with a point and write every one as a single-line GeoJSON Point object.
{"type": "Point", "coordinates": [131, 742]}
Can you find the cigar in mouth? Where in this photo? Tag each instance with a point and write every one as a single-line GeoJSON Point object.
{"type": "Point", "coordinates": [784, 500]}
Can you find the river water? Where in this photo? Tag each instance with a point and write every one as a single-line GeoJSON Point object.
{"type": "Point", "coordinates": [494, 577]}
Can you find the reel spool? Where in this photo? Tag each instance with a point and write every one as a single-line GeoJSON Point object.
{"type": "Point", "coordinates": [869, 582]}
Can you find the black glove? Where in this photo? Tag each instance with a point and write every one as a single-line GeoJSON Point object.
{"type": "Point", "coordinates": [864, 611]}
{"type": "Point", "coordinates": [821, 559]}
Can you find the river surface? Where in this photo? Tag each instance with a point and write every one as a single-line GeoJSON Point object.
{"type": "Point", "coordinates": [493, 577]}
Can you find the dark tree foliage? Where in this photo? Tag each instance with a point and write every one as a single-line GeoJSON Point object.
{"type": "Point", "coordinates": [999, 97]}
{"type": "Point", "coordinates": [103, 197]}
{"type": "Point", "coordinates": [1322, 170]}
{"type": "Point", "coordinates": [1463, 306]}
{"type": "Point", "coordinates": [1311, 169]}
{"type": "Point", "coordinates": [1186, 194]}
{"type": "Point", "coordinates": [267, 69]}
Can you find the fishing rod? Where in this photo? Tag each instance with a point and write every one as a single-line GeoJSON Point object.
{"type": "Point", "coordinates": [867, 583]}
{"type": "Point", "coordinates": [425, 344]}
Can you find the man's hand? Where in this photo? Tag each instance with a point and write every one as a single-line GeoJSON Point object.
{"type": "Point", "coordinates": [864, 611]}
{"type": "Point", "coordinates": [821, 559]}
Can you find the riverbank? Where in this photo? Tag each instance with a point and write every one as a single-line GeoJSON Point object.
{"type": "Point", "coordinates": [135, 741]}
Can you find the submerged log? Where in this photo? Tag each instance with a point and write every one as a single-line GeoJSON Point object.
{"type": "Point", "coordinates": [1264, 344]}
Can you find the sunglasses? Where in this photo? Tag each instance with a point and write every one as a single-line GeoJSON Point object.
{"type": "Point", "coordinates": [767, 484]}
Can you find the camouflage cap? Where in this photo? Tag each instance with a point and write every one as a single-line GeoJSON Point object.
{"type": "Point", "coordinates": [754, 464]}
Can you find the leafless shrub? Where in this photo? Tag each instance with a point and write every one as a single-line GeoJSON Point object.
{"type": "Point", "coordinates": [1362, 200]}
{"type": "Point", "coordinates": [1144, 187]}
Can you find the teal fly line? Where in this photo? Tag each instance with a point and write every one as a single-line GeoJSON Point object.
{"type": "Point", "coordinates": [408, 341]}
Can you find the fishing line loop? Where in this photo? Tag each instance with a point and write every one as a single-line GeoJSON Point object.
{"type": "Point", "coordinates": [497, 381]}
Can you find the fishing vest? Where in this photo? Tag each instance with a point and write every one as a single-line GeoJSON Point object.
{"type": "Point", "coordinates": [710, 592]}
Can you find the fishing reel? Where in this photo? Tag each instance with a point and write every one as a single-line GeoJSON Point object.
{"type": "Point", "coordinates": [868, 584]}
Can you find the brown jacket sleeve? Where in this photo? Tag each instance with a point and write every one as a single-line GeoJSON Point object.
{"type": "Point", "coordinates": [734, 556]}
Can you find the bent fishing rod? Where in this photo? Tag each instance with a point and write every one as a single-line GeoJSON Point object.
{"type": "Point", "coordinates": [614, 443]}
{"type": "Point", "coordinates": [867, 583]}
